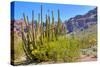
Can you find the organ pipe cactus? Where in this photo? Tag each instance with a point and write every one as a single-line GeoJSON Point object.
{"type": "Point", "coordinates": [48, 26]}
{"type": "Point", "coordinates": [49, 33]}
{"type": "Point", "coordinates": [41, 38]}
{"type": "Point", "coordinates": [52, 26]}
{"type": "Point", "coordinates": [33, 31]}
{"type": "Point", "coordinates": [26, 40]}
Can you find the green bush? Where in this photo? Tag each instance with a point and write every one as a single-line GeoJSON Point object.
{"type": "Point", "coordinates": [62, 50]}
{"type": "Point", "coordinates": [88, 41]}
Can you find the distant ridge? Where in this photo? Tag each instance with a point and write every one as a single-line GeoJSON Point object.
{"type": "Point", "coordinates": [80, 22]}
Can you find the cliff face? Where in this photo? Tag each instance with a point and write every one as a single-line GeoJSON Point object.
{"type": "Point", "coordinates": [81, 22]}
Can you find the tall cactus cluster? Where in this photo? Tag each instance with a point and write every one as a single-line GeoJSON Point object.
{"type": "Point", "coordinates": [44, 40]}
{"type": "Point", "coordinates": [37, 34]}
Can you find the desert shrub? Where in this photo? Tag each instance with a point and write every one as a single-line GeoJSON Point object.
{"type": "Point", "coordinates": [62, 50]}
{"type": "Point", "coordinates": [73, 49]}
{"type": "Point", "coordinates": [88, 41]}
{"type": "Point", "coordinates": [17, 48]}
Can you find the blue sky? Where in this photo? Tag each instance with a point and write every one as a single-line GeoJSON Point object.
{"type": "Point", "coordinates": [66, 10]}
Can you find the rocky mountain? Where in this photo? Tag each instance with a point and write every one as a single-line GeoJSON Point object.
{"type": "Point", "coordinates": [81, 22]}
{"type": "Point", "coordinates": [16, 26]}
{"type": "Point", "coordinates": [77, 23]}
